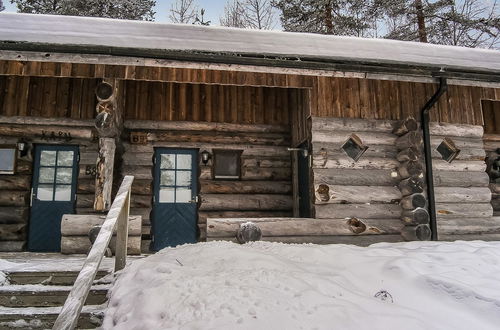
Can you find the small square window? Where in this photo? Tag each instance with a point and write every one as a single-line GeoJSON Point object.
{"type": "Point", "coordinates": [448, 150]}
{"type": "Point", "coordinates": [354, 147]}
{"type": "Point", "coordinates": [227, 164]}
{"type": "Point", "coordinates": [7, 160]}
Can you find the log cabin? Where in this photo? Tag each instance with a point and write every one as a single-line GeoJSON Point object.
{"type": "Point", "coordinates": [316, 139]}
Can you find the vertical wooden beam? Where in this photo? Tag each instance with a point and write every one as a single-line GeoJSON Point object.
{"type": "Point", "coordinates": [122, 235]}
{"type": "Point", "coordinates": [104, 174]}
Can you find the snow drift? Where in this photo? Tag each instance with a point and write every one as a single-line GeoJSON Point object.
{"type": "Point", "coordinates": [221, 285]}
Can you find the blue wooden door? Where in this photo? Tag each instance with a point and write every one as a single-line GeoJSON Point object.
{"type": "Point", "coordinates": [175, 209]}
{"type": "Point", "coordinates": [55, 174]}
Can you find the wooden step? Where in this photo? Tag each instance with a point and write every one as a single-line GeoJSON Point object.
{"type": "Point", "coordinates": [44, 317]}
{"type": "Point", "coordinates": [47, 278]}
{"type": "Point", "coordinates": [45, 296]}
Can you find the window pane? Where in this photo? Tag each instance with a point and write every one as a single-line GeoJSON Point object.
{"type": "Point", "coordinates": [167, 195]}
{"type": "Point", "coordinates": [227, 164]}
{"type": "Point", "coordinates": [63, 193]}
{"type": "Point", "coordinates": [65, 158]}
{"type": "Point", "coordinates": [183, 195]}
{"type": "Point", "coordinates": [48, 158]}
{"type": "Point", "coordinates": [184, 162]}
{"type": "Point", "coordinates": [44, 192]}
{"type": "Point", "coordinates": [167, 161]}
{"type": "Point", "coordinates": [167, 178]}
{"type": "Point", "coordinates": [183, 178]}
{"type": "Point", "coordinates": [7, 157]}
{"type": "Point", "coordinates": [64, 175]}
{"type": "Point", "coordinates": [46, 175]}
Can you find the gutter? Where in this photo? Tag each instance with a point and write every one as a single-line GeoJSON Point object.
{"type": "Point", "coordinates": [425, 118]}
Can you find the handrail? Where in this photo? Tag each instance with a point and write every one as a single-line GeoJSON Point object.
{"type": "Point", "coordinates": [117, 215]}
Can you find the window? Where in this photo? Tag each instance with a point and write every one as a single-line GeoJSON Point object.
{"type": "Point", "coordinates": [491, 116]}
{"type": "Point", "coordinates": [227, 164]}
{"type": "Point", "coordinates": [7, 160]}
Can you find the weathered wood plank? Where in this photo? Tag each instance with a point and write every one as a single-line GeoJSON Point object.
{"type": "Point", "coordinates": [458, 130]}
{"type": "Point", "coordinates": [340, 194]}
{"type": "Point", "coordinates": [204, 215]}
{"type": "Point", "coordinates": [238, 202]}
{"type": "Point", "coordinates": [12, 215]}
{"type": "Point", "coordinates": [15, 182]}
{"type": "Point", "coordinates": [461, 226]}
{"type": "Point", "coordinates": [79, 225]}
{"type": "Point", "coordinates": [345, 162]}
{"type": "Point", "coordinates": [81, 245]}
{"type": "Point", "coordinates": [361, 240]}
{"type": "Point", "coordinates": [245, 187]}
{"type": "Point", "coordinates": [368, 138]}
{"type": "Point", "coordinates": [462, 195]}
{"type": "Point", "coordinates": [14, 198]}
{"type": "Point", "coordinates": [461, 179]}
{"type": "Point", "coordinates": [13, 232]}
{"type": "Point", "coordinates": [360, 211]}
{"type": "Point", "coordinates": [356, 177]}
{"type": "Point", "coordinates": [463, 210]}
{"type": "Point", "coordinates": [351, 125]}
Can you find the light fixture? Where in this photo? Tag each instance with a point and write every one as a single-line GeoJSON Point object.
{"type": "Point", "coordinates": [205, 157]}
{"type": "Point", "coordinates": [22, 146]}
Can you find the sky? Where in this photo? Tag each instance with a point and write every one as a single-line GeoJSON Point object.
{"type": "Point", "coordinates": [213, 9]}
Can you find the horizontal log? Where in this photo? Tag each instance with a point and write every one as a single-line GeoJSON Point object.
{"type": "Point", "coordinates": [262, 162]}
{"type": "Point", "coordinates": [464, 155]}
{"type": "Point", "coordinates": [459, 130]}
{"type": "Point", "coordinates": [360, 211]}
{"type": "Point", "coordinates": [418, 216]}
{"type": "Point", "coordinates": [254, 173]}
{"type": "Point", "coordinates": [12, 215]}
{"type": "Point", "coordinates": [460, 179]}
{"type": "Point", "coordinates": [458, 165]}
{"type": "Point", "coordinates": [48, 131]}
{"type": "Point", "coordinates": [410, 140]}
{"type": "Point", "coordinates": [87, 201]}
{"type": "Point", "coordinates": [416, 233]}
{"type": "Point", "coordinates": [360, 240]}
{"type": "Point", "coordinates": [80, 225]}
{"type": "Point", "coordinates": [88, 157]}
{"type": "Point", "coordinates": [414, 201]}
{"type": "Point", "coordinates": [204, 126]}
{"type": "Point", "coordinates": [81, 245]}
{"type": "Point", "coordinates": [24, 166]}
{"type": "Point", "coordinates": [238, 202]}
{"type": "Point", "coordinates": [13, 232]}
{"type": "Point", "coordinates": [335, 150]}
{"type": "Point", "coordinates": [15, 182]}
{"type": "Point", "coordinates": [470, 237]}
{"type": "Point", "coordinates": [144, 213]}
{"type": "Point", "coordinates": [356, 177]}
{"type": "Point", "coordinates": [352, 125]}
{"type": "Point", "coordinates": [411, 185]}
{"type": "Point", "coordinates": [461, 226]}
{"type": "Point", "coordinates": [142, 187]}
{"type": "Point", "coordinates": [491, 146]}
{"type": "Point", "coordinates": [265, 139]}
{"type": "Point", "coordinates": [460, 142]}
{"type": "Point", "coordinates": [245, 187]}
{"type": "Point", "coordinates": [12, 246]}
{"type": "Point", "coordinates": [345, 162]}
{"type": "Point", "coordinates": [85, 185]}
{"type": "Point", "coordinates": [463, 210]}
{"type": "Point", "coordinates": [139, 172]}
{"type": "Point", "coordinates": [462, 195]}
{"type": "Point", "coordinates": [355, 194]}
{"type": "Point", "coordinates": [145, 247]}
{"type": "Point", "coordinates": [305, 227]}
{"type": "Point", "coordinates": [367, 138]}
{"type": "Point", "coordinates": [248, 149]}
{"type": "Point", "coordinates": [33, 120]}
{"type": "Point", "coordinates": [204, 215]}
{"type": "Point", "coordinates": [14, 198]}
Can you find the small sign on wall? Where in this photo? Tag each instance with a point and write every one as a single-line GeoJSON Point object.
{"type": "Point", "coordinates": [138, 137]}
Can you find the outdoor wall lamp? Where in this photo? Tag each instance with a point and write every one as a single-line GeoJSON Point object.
{"type": "Point", "coordinates": [22, 146]}
{"type": "Point", "coordinates": [205, 157]}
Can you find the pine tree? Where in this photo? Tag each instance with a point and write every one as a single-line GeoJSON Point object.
{"type": "Point", "coordinates": [124, 9]}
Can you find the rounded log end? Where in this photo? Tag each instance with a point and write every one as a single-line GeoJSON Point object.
{"type": "Point", "coordinates": [423, 232]}
{"type": "Point", "coordinates": [323, 192]}
{"type": "Point", "coordinates": [356, 226]}
{"type": "Point", "coordinates": [248, 232]}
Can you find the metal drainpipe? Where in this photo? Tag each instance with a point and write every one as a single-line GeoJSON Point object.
{"type": "Point", "coordinates": [443, 87]}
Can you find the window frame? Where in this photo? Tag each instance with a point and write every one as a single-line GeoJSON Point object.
{"type": "Point", "coordinates": [237, 153]}
{"type": "Point", "coordinates": [14, 164]}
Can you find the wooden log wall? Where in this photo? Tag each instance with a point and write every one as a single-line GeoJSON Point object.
{"type": "Point", "coordinates": [357, 194]}
{"type": "Point", "coordinates": [15, 189]}
{"type": "Point", "coordinates": [265, 188]}
{"type": "Point", "coordinates": [47, 97]}
{"type": "Point", "coordinates": [209, 103]}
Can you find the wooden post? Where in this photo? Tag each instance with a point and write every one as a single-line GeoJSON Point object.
{"type": "Point", "coordinates": [122, 236]}
{"type": "Point", "coordinates": [104, 174]}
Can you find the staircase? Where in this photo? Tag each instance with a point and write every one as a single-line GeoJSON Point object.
{"type": "Point", "coordinates": [33, 299]}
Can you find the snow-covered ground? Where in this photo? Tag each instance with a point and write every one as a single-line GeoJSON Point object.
{"type": "Point", "coordinates": [222, 285]}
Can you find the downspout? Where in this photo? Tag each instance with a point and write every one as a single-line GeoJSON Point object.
{"type": "Point", "coordinates": [425, 118]}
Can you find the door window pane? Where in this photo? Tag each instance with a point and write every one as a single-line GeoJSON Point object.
{"type": "Point", "coordinates": [167, 178]}
{"type": "Point", "coordinates": [65, 158]}
{"type": "Point", "coordinates": [63, 193]}
{"type": "Point", "coordinates": [46, 175]}
{"type": "Point", "coordinates": [167, 161]}
{"type": "Point", "coordinates": [64, 175]}
{"type": "Point", "coordinates": [48, 158]}
{"type": "Point", "coordinates": [183, 195]}
{"type": "Point", "coordinates": [167, 195]}
{"type": "Point", "coordinates": [44, 192]}
{"type": "Point", "coordinates": [183, 178]}
{"type": "Point", "coordinates": [184, 162]}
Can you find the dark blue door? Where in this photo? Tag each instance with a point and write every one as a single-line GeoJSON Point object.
{"type": "Point", "coordinates": [55, 174]}
{"type": "Point", "coordinates": [175, 208]}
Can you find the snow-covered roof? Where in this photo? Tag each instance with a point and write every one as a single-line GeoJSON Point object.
{"type": "Point", "coordinates": [105, 34]}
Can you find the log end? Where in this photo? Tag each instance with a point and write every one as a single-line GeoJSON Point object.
{"type": "Point", "coordinates": [248, 232]}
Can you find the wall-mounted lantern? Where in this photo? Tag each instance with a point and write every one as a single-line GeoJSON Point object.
{"type": "Point", "coordinates": [22, 146]}
{"type": "Point", "coordinates": [205, 157]}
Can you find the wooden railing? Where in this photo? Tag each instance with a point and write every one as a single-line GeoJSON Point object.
{"type": "Point", "coordinates": [117, 217]}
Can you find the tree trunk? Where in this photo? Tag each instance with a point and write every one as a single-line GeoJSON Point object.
{"type": "Point", "coordinates": [422, 32]}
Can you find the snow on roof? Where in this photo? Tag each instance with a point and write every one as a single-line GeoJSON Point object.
{"type": "Point", "coordinates": [101, 32]}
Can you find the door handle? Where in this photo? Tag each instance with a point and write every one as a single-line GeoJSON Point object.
{"type": "Point", "coordinates": [195, 200]}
